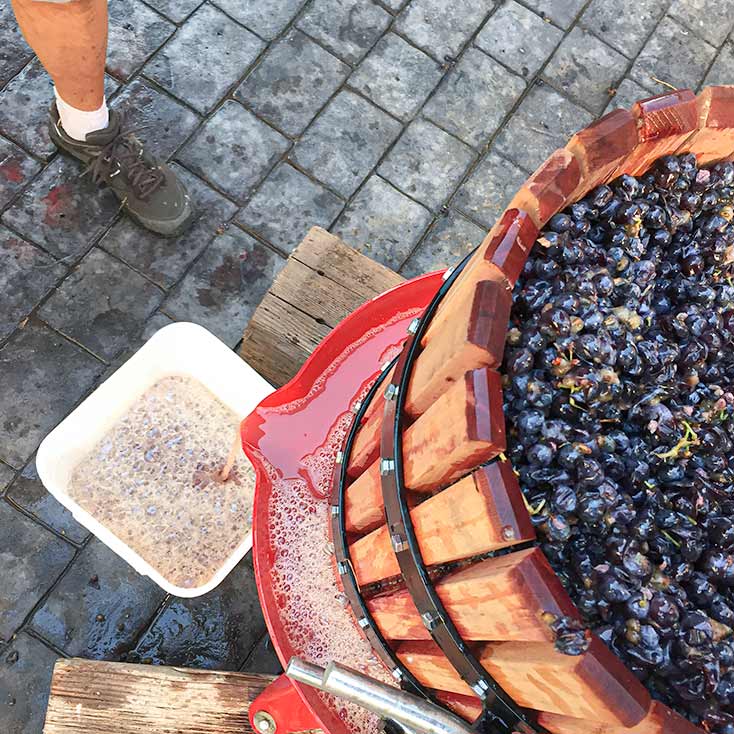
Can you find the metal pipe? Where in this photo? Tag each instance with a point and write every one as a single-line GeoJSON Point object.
{"type": "Point", "coordinates": [404, 708]}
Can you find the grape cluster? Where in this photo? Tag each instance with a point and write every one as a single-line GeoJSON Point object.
{"type": "Point", "coordinates": [619, 401]}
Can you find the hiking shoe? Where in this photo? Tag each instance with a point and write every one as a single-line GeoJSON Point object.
{"type": "Point", "coordinates": [150, 192]}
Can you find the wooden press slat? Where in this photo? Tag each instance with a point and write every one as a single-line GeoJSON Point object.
{"type": "Point", "coordinates": [462, 429]}
{"type": "Point", "coordinates": [502, 598]}
{"type": "Point", "coordinates": [96, 697]}
{"type": "Point", "coordinates": [480, 513]}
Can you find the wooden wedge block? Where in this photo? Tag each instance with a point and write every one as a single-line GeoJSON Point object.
{"type": "Point", "coordinates": [465, 427]}
{"type": "Point", "coordinates": [502, 598]}
{"type": "Point", "coordinates": [595, 686]}
{"type": "Point", "coordinates": [601, 147]}
{"type": "Point", "coordinates": [714, 139]}
{"type": "Point", "coordinates": [477, 339]}
{"type": "Point", "coordinates": [431, 668]}
{"type": "Point", "coordinates": [480, 513]}
{"type": "Point", "coordinates": [500, 257]}
{"type": "Point", "coordinates": [664, 125]}
{"type": "Point", "coordinates": [659, 720]}
{"type": "Point", "coordinates": [550, 188]}
{"type": "Point", "coordinates": [469, 708]}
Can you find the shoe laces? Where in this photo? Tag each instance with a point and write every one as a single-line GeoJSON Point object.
{"type": "Point", "coordinates": [124, 155]}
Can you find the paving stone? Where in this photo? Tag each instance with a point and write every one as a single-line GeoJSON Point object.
{"type": "Point", "coordinates": [16, 169]}
{"type": "Point", "coordinates": [263, 659]}
{"type": "Point", "coordinates": [24, 107]}
{"type": "Point", "coordinates": [561, 12]}
{"type": "Point", "coordinates": [217, 630]}
{"type": "Point", "coordinates": [628, 92]}
{"type": "Point", "coordinates": [426, 163]}
{"type": "Point", "coordinates": [489, 189]}
{"type": "Point", "coordinates": [474, 98]}
{"type": "Point", "coordinates": [100, 606]}
{"type": "Point", "coordinates": [287, 205]}
{"type": "Point", "coordinates": [292, 82]}
{"type": "Point", "coordinates": [722, 70]}
{"type": "Point", "coordinates": [266, 19]}
{"type": "Point", "coordinates": [397, 76]}
{"type": "Point", "coordinates": [519, 38]}
{"type": "Point", "coordinates": [585, 68]}
{"type": "Point", "coordinates": [709, 19]}
{"type": "Point", "coordinates": [176, 10]}
{"type": "Point", "coordinates": [26, 276]}
{"type": "Point", "coordinates": [25, 680]}
{"type": "Point", "coordinates": [345, 142]}
{"type": "Point", "coordinates": [208, 54]}
{"type": "Point", "coordinates": [225, 285]}
{"type": "Point", "coordinates": [382, 223]}
{"type": "Point", "coordinates": [6, 476]}
{"type": "Point", "coordinates": [135, 33]}
{"type": "Point", "coordinates": [28, 492]}
{"type": "Point", "coordinates": [348, 28]}
{"type": "Point", "coordinates": [442, 28]}
{"type": "Point", "coordinates": [14, 51]}
{"type": "Point", "coordinates": [165, 260]}
{"type": "Point", "coordinates": [449, 239]}
{"type": "Point", "coordinates": [234, 150]}
{"type": "Point", "coordinates": [155, 323]}
{"type": "Point", "coordinates": [612, 21]}
{"type": "Point", "coordinates": [34, 363]}
{"type": "Point", "coordinates": [33, 559]}
{"type": "Point", "coordinates": [674, 55]}
{"type": "Point", "coordinates": [543, 122]}
{"type": "Point", "coordinates": [102, 304]}
{"type": "Point", "coordinates": [163, 122]}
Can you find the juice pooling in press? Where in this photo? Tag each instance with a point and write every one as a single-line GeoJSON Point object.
{"type": "Point", "coordinates": [155, 479]}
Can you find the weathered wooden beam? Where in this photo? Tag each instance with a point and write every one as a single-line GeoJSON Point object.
{"type": "Point", "coordinates": [502, 598]}
{"type": "Point", "coordinates": [461, 430]}
{"type": "Point", "coordinates": [479, 513]}
{"type": "Point", "coordinates": [97, 697]}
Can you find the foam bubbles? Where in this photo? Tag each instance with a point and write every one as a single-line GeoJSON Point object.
{"type": "Point", "coordinates": [153, 481]}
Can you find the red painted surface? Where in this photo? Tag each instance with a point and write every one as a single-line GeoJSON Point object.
{"type": "Point", "coordinates": [285, 436]}
{"type": "Point", "coordinates": [281, 701]}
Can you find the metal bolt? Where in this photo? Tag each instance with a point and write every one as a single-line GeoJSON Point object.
{"type": "Point", "coordinates": [264, 722]}
{"type": "Point", "coordinates": [508, 533]}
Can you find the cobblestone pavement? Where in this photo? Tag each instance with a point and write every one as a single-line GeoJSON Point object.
{"type": "Point", "coordinates": [404, 127]}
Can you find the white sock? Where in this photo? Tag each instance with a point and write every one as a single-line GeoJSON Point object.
{"type": "Point", "coordinates": [77, 123]}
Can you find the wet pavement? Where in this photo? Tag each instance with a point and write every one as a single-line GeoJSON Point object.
{"type": "Point", "coordinates": [402, 125]}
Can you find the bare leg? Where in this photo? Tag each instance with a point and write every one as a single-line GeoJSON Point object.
{"type": "Point", "coordinates": [70, 39]}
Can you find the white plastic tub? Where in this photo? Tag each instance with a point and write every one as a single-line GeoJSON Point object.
{"type": "Point", "coordinates": [177, 349]}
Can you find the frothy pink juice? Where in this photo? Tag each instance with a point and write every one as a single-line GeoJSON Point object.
{"type": "Point", "coordinates": [155, 481]}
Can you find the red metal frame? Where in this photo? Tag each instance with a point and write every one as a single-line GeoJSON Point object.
{"type": "Point", "coordinates": [287, 708]}
{"type": "Point", "coordinates": [358, 346]}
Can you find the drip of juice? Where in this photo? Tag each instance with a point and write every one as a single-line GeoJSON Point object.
{"type": "Point", "coordinates": [157, 481]}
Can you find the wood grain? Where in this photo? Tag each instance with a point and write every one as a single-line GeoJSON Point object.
{"type": "Point", "coordinates": [479, 513]}
{"type": "Point", "coordinates": [323, 281]}
{"type": "Point", "coordinates": [96, 697]}
{"type": "Point", "coordinates": [502, 598]}
{"type": "Point", "coordinates": [461, 430]}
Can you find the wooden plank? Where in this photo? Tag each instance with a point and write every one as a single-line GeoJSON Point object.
{"type": "Point", "coordinates": [321, 250]}
{"type": "Point", "coordinates": [97, 697]}
{"type": "Point", "coordinates": [659, 720]}
{"type": "Point", "coordinates": [461, 430]}
{"type": "Point", "coordinates": [323, 281]}
{"type": "Point", "coordinates": [279, 339]}
{"type": "Point", "coordinates": [502, 598]}
{"type": "Point", "coordinates": [480, 513]}
{"type": "Point", "coordinates": [594, 686]}
{"type": "Point", "coordinates": [467, 707]}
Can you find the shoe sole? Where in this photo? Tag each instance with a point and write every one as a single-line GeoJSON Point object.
{"type": "Point", "coordinates": [178, 229]}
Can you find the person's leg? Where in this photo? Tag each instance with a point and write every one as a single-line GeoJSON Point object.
{"type": "Point", "coordinates": [70, 40]}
